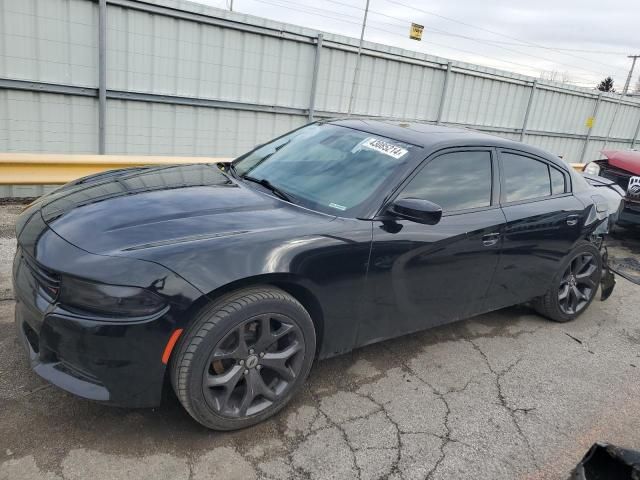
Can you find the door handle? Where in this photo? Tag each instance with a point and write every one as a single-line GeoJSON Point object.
{"type": "Point", "coordinates": [490, 239]}
{"type": "Point", "coordinates": [572, 220]}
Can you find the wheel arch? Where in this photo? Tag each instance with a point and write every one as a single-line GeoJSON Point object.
{"type": "Point", "coordinates": [296, 286]}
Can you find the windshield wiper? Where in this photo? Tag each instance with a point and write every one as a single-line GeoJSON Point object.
{"type": "Point", "coordinates": [269, 155]}
{"type": "Point", "coordinates": [269, 186]}
{"type": "Point", "coordinates": [232, 168]}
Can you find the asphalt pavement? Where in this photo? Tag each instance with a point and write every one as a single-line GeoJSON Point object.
{"type": "Point", "coordinates": [507, 395]}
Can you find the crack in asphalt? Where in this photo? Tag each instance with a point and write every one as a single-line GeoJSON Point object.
{"type": "Point", "coordinates": [621, 304]}
{"type": "Point", "coordinates": [342, 432]}
{"type": "Point", "coordinates": [395, 467]}
{"type": "Point", "coordinates": [445, 441]}
{"type": "Point", "coordinates": [605, 318]}
{"type": "Point", "coordinates": [447, 437]}
{"type": "Point", "coordinates": [503, 401]}
{"type": "Point", "coordinates": [298, 471]}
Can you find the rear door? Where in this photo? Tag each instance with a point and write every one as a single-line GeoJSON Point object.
{"type": "Point", "coordinates": [425, 275]}
{"type": "Point", "coordinates": [544, 222]}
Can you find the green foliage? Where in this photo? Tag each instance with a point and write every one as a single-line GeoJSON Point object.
{"type": "Point", "coordinates": [606, 85]}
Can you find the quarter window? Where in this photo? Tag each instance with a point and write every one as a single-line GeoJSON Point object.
{"type": "Point", "coordinates": [524, 178]}
{"type": "Point", "coordinates": [455, 181]}
{"type": "Point", "coordinates": [558, 184]}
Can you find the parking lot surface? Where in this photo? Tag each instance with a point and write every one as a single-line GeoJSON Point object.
{"type": "Point", "coordinates": [503, 395]}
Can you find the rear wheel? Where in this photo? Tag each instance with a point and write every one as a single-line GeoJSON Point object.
{"type": "Point", "coordinates": [243, 358]}
{"type": "Point", "coordinates": [574, 287]}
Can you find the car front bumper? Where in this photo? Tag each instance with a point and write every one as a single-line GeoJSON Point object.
{"type": "Point", "coordinates": [118, 362]}
{"type": "Point", "coordinates": [108, 359]}
{"type": "Point", "coordinates": [114, 363]}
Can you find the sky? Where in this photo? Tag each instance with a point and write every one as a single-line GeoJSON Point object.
{"type": "Point", "coordinates": [578, 41]}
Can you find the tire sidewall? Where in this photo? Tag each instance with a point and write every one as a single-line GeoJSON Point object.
{"type": "Point", "coordinates": [211, 327]}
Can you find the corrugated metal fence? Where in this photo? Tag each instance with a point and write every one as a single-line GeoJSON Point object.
{"type": "Point", "coordinates": [183, 79]}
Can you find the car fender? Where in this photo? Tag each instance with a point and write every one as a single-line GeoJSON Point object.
{"type": "Point", "coordinates": [330, 267]}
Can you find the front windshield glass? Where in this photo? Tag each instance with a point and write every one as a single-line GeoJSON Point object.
{"type": "Point", "coordinates": [326, 167]}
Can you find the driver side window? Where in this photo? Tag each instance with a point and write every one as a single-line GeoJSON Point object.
{"type": "Point", "coordinates": [455, 181]}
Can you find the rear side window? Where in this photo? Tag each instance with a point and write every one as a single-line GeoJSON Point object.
{"type": "Point", "coordinates": [524, 178]}
{"type": "Point", "coordinates": [455, 181]}
{"type": "Point", "coordinates": [558, 184]}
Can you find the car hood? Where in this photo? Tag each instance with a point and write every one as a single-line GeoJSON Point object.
{"type": "Point", "coordinates": [628, 160]}
{"type": "Point", "coordinates": [134, 209]}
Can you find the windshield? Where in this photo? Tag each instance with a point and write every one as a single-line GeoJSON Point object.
{"type": "Point", "coordinates": [326, 167]}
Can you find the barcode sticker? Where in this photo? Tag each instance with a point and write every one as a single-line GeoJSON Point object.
{"type": "Point", "coordinates": [384, 147]}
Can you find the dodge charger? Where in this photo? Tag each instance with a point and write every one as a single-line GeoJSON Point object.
{"type": "Point", "coordinates": [225, 282]}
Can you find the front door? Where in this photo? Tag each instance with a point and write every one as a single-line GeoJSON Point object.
{"type": "Point", "coordinates": [425, 275]}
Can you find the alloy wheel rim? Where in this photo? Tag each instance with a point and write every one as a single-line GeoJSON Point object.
{"type": "Point", "coordinates": [578, 284]}
{"type": "Point", "coordinates": [253, 365]}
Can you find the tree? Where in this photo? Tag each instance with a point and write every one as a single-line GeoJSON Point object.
{"type": "Point", "coordinates": [606, 85]}
{"type": "Point", "coordinates": [636, 89]}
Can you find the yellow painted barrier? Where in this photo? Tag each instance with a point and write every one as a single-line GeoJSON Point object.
{"type": "Point", "coordinates": [45, 169]}
{"type": "Point", "coordinates": [56, 169]}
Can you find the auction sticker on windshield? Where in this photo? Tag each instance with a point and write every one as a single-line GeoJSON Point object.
{"type": "Point", "coordinates": [384, 147]}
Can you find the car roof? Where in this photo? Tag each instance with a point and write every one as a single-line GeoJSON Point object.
{"type": "Point", "coordinates": [435, 137]}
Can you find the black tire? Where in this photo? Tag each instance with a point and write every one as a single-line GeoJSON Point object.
{"type": "Point", "coordinates": [211, 351]}
{"type": "Point", "coordinates": [550, 305]}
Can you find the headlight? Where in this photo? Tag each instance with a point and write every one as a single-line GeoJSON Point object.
{"type": "Point", "coordinates": [113, 300]}
{"type": "Point", "coordinates": [592, 168]}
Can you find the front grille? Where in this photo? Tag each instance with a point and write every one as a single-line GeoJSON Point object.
{"type": "Point", "coordinates": [619, 176]}
{"type": "Point", "coordinates": [48, 280]}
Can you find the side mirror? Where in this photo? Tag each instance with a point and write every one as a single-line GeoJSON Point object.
{"type": "Point", "coordinates": [417, 210]}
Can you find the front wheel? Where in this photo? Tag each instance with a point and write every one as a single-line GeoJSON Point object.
{"type": "Point", "coordinates": [243, 358]}
{"type": "Point", "coordinates": [574, 287]}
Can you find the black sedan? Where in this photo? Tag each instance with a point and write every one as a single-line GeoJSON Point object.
{"type": "Point", "coordinates": [227, 281]}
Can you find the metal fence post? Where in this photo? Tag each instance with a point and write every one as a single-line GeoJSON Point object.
{"type": "Point", "coordinates": [102, 75]}
{"type": "Point", "coordinates": [588, 137]}
{"type": "Point", "coordinates": [314, 79]}
{"type": "Point", "coordinates": [356, 74]}
{"type": "Point", "coordinates": [445, 88]}
{"type": "Point", "coordinates": [613, 120]}
{"type": "Point", "coordinates": [523, 132]}
{"type": "Point", "coordinates": [635, 135]}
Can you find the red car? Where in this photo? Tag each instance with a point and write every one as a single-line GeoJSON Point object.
{"type": "Point", "coordinates": [623, 168]}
